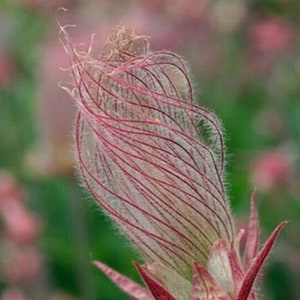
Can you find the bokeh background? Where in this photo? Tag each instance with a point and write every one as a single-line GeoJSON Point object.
{"type": "Point", "coordinates": [245, 61]}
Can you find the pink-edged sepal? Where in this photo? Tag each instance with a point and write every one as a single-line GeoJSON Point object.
{"type": "Point", "coordinates": [157, 290]}
{"type": "Point", "coordinates": [205, 286]}
{"type": "Point", "coordinates": [131, 288]}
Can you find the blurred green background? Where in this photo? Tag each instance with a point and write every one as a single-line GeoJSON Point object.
{"type": "Point", "coordinates": [245, 63]}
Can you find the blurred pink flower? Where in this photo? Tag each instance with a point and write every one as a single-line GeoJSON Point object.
{"type": "Point", "coordinates": [272, 169]}
{"type": "Point", "coordinates": [269, 39]}
{"type": "Point", "coordinates": [154, 160]}
{"type": "Point", "coordinates": [10, 191]}
{"type": "Point", "coordinates": [6, 71]}
{"type": "Point", "coordinates": [19, 225]}
{"type": "Point", "coordinates": [19, 263]}
{"type": "Point", "coordinates": [272, 36]}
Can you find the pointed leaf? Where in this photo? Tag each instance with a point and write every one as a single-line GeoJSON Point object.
{"type": "Point", "coordinates": [205, 286]}
{"type": "Point", "coordinates": [157, 290]}
{"type": "Point", "coordinates": [176, 285]}
{"type": "Point", "coordinates": [257, 264]}
{"type": "Point", "coordinates": [253, 234]}
{"type": "Point", "coordinates": [130, 287]}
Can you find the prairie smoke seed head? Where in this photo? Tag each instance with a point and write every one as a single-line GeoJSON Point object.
{"type": "Point", "coordinates": [154, 161]}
